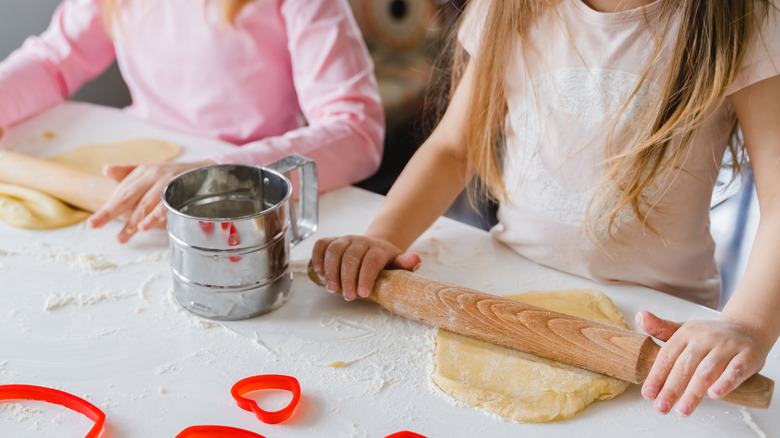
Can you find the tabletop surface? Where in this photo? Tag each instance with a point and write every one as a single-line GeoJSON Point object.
{"type": "Point", "coordinates": [84, 314]}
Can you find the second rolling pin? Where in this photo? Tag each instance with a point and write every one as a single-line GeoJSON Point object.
{"type": "Point", "coordinates": [78, 188]}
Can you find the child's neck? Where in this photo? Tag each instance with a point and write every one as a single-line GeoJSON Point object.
{"type": "Point", "coordinates": [615, 5]}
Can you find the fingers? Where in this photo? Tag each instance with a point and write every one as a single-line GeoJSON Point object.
{"type": "Point", "coordinates": [138, 192]}
{"type": "Point", "coordinates": [737, 371]}
{"type": "Point", "coordinates": [700, 358]}
{"type": "Point", "coordinates": [352, 263]}
{"type": "Point", "coordinates": [408, 261]}
{"type": "Point", "coordinates": [656, 327]}
{"type": "Point", "coordinates": [677, 381]}
{"type": "Point", "coordinates": [332, 263]}
{"type": "Point", "coordinates": [373, 262]}
{"type": "Point", "coordinates": [318, 255]}
{"type": "Point", "coordinates": [706, 372]}
{"type": "Point", "coordinates": [127, 194]}
{"type": "Point", "coordinates": [662, 366]}
{"type": "Point", "coordinates": [664, 363]}
{"type": "Point", "coordinates": [148, 213]}
{"type": "Point", "coordinates": [156, 218]}
{"type": "Point", "coordinates": [117, 173]}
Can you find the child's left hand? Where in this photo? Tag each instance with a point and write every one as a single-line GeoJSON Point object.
{"type": "Point", "coordinates": [699, 357]}
{"type": "Point", "coordinates": [139, 192]}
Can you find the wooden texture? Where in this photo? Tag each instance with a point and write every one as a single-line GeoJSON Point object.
{"type": "Point", "coordinates": [609, 350]}
{"type": "Point", "coordinates": [80, 189]}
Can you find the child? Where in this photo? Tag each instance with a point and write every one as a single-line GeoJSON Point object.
{"type": "Point", "coordinates": [600, 125]}
{"type": "Point", "coordinates": [244, 71]}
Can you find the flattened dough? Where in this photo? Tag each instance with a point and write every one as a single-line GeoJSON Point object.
{"type": "Point", "coordinates": [520, 386]}
{"type": "Point", "coordinates": [26, 208]}
{"type": "Point", "coordinates": [91, 157]}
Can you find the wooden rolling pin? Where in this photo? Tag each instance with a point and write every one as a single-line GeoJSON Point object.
{"type": "Point", "coordinates": [73, 186]}
{"type": "Point", "coordinates": [605, 349]}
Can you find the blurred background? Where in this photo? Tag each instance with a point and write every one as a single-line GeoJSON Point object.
{"type": "Point", "coordinates": [405, 37]}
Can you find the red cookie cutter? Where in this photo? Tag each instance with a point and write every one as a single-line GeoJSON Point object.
{"type": "Point", "coordinates": [267, 381]}
{"type": "Point", "coordinates": [57, 397]}
{"type": "Point", "coordinates": [405, 434]}
{"type": "Point", "coordinates": [216, 432]}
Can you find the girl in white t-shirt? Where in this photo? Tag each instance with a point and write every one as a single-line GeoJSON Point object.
{"type": "Point", "coordinates": [599, 126]}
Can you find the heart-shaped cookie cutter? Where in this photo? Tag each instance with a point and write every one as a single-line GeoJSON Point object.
{"type": "Point", "coordinates": [405, 434]}
{"type": "Point", "coordinates": [216, 432]}
{"type": "Point", "coordinates": [267, 381]}
{"type": "Point", "coordinates": [57, 397]}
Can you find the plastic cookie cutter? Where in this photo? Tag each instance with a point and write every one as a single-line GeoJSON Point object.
{"type": "Point", "coordinates": [57, 397]}
{"type": "Point", "coordinates": [216, 432]}
{"type": "Point", "coordinates": [267, 381]}
{"type": "Point", "coordinates": [405, 434]}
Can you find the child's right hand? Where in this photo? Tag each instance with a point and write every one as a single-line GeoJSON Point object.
{"type": "Point", "coordinates": [352, 263]}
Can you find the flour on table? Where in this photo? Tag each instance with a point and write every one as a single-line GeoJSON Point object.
{"type": "Point", "coordinates": [340, 323]}
{"type": "Point", "coordinates": [102, 295]}
{"type": "Point", "coordinates": [431, 249]}
{"type": "Point", "coordinates": [20, 412]}
{"type": "Point", "coordinates": [342, 363]}
{"type": "Point", "coordinates": [144, 288]}
{"type": "Point", "coordinates": [191, 319]}
{"type": "Point", "coordinates": [154, 256]}
{"type": "Point", "coordinates": [92, 263]}
{"type": "Point", "coordinates": [162, 369]}
{"type": "Point", "coordinates": [748, 419]}
{"type": "Point", "coordinates": [89, 262]}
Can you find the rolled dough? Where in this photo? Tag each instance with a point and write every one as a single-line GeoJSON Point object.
{"type": "Point", "coordinates": [520, 386]}
{"type": "Point", "coordinates": [26, 208]}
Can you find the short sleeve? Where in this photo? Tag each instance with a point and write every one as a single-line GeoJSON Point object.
{"type": "Point", "coordinates": [471, 26]}
{"type": "Point", "coordinates": [762, 60]}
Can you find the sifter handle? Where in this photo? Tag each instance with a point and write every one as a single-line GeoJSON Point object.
{"type": "Point", "coordinates": [304, 217]}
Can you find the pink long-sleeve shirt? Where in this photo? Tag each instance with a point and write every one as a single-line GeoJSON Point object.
{"type": "Point", "coordinates": [291, 76]}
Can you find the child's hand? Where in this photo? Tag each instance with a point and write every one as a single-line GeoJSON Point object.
{"type": "Point", "coordinates": [699, 357]}
{"type": "Point", "coordinates": [352, 263]}
{"type": "Point", "coordinates": [139, 192]}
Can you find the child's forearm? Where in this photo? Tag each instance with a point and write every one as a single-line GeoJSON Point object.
{"type": "Point", "coordinates": [426, 188]}
{"type": "Point", "coordinates": [435, 175]}
{"type": "Point", "coordinates": [756, 300]}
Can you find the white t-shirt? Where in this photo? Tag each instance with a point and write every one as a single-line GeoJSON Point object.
{"type": "Point", "coordinates": [566, 84]}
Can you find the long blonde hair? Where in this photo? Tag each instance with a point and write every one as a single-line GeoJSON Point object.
{"type": "Point", "coordinates": [230, 10]}
{"type": "Point", "coordinates": [712, 42]}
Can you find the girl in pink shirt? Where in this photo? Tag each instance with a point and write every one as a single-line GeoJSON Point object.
{"type": "Point", "coordinates": [275, 77]}
{"type": "Point", "coordinates": [599, 126]}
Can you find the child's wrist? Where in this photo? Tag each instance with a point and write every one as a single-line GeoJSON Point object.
{"type": "Point", "coordinates": [755, 327]}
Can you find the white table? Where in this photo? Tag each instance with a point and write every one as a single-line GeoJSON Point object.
{"type": "Point", "coordinates": [82, 313]}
